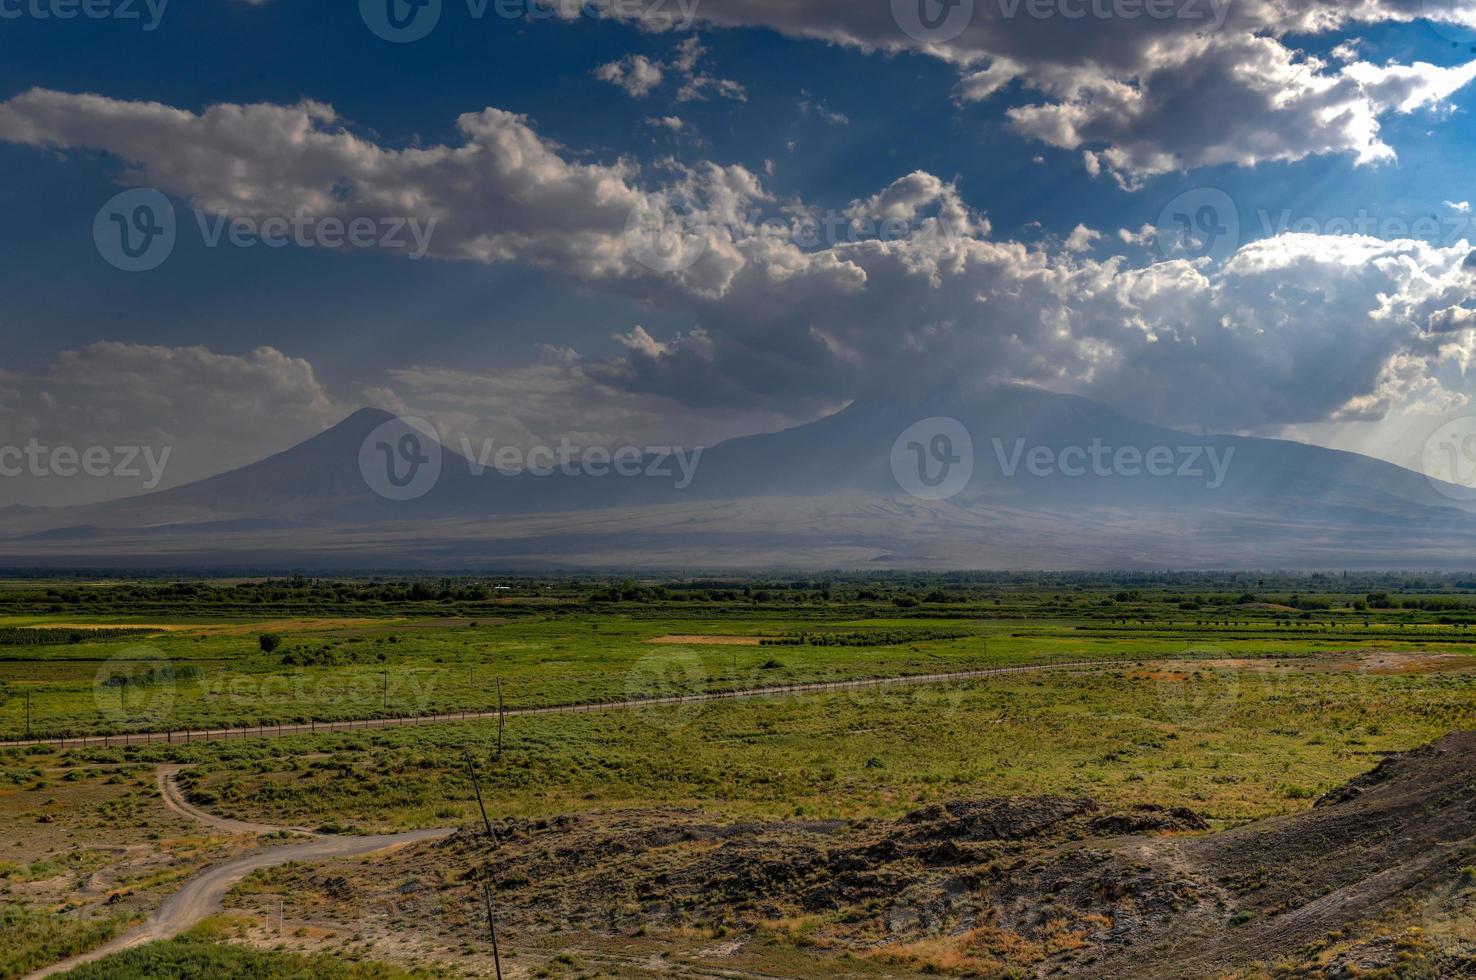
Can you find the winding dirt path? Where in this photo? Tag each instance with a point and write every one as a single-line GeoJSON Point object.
{"type": "Point", "coordinates": [174, 799]}
{"type": "Point", "coordinates": [201, 896]}
{"type": "Point", "coordinates": [325, 727]}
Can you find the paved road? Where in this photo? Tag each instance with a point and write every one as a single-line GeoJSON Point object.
{"type": "Point", "coordinates": [201, 896]}
{"type": "Point", "coordinates": [322, 727]}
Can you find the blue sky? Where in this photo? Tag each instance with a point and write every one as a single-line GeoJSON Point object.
{"type": "Point", "coordinates": [837, 105]}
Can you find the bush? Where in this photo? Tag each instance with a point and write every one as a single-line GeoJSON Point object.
{"type": "Point", "coordinates": [269, 642]}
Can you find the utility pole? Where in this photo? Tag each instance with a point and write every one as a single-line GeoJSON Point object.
{"type": "Point", "coordinates": [471, 768]}
{"type": "Point", "coordinates": [386, 690]}
{"type": "Point", "coordinates": [477, 787]}
{"type": "Point", "coordinates": [501, 717]}
{"type": "Point", "coordinates": [492, 926]}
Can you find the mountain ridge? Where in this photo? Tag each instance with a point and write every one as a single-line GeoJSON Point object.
{"type": "Point", "coordinates": [313, 502]}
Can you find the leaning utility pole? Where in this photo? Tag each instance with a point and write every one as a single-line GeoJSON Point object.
{"type": "Point", "coordinates": [492, 926]}
{"type": "Point", "coordinates": [501, 717]}
{"type": "Point", "coordinates": [471, 769]}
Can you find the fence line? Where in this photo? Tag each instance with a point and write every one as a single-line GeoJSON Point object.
{"type": "Point", "coordinates": [314, 727]}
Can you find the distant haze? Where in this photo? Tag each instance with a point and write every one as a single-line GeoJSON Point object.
{"type": "Point", "coordinates": [962, 477]}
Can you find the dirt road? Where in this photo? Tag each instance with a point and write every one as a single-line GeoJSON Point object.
{"type": "Point", "coordinates": [174, 799]}
{"type": "Point", "coordinates": [201, 896]}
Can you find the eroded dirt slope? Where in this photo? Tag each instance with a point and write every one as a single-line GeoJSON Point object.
{"type": "Point", "coordinates": [1046, 886]}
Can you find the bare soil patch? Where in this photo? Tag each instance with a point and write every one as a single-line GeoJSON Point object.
{"type": "Point", "coordinates": [156, 627]}
{"type": "Point", "coordinates": [1414, 662]}
{"type": "Point", "coordinates": [1041, 886]}
{"type": "Point", "coordinates": [712, 641]}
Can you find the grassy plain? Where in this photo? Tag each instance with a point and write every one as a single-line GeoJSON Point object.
{"type": "Point", "coordinates": [566, 644]}
{"type": "Point", "coordinates": [1236, 700]}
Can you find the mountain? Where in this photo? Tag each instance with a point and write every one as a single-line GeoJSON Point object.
{"type": "Point", "coordinates": [1052, 481]}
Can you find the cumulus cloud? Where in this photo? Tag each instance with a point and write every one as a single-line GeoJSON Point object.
{"type": "Point", "coordinates": [636, 75]}
{"type": "Point", "coordinates": [1131, 92]}
{"type": "Point", "coordinates": [552, 399]}
{"type": "Point", "coordinates": [791, 310]}
{"type": "Point", "coordinates": [1296, 328]}
{"type": "Point", "coordinates": [1269, 105]}
{"type": "Point", "coordinates": [1082, 239]}
{"type": "Point", "coordinates": [639, 76]}
{"type": "Point", "coordinates": [503, 193]}
{"type": "Point", "coordinates": [209, 411]}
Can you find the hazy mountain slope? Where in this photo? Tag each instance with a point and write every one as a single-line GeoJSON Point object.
{"type": "Point", "coordinates": [817, 495]}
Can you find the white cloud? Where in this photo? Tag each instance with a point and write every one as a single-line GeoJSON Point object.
{"type": "Point", "coordinates": [826, 114]}
{"type": "Point", "coordinates": [1290, 329]}
{"type": "Point", "coordinates": [639, 76]}
{"type": "Point", "coordinates": [552, 399]}
{"type": "Point", "coordinates": [211, 411]}
{"type": "Point", "coordinates": [502, 194]}
{"type": "Point", "coordinates": [1268, 105]}
{"type": "Point", "coordinates": [1082, 239]}
{"type": "Point", "coordinates": [1133, 92]}
{"type": "Point", "coordinates": [634, 74]}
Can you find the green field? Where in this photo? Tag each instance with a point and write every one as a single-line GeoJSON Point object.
{"type": "Point", "coordinates": [1238, 703]}
{"type": "Point", "coordinates": [565, 643]}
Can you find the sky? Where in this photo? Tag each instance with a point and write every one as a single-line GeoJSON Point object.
{"type": "Point", "coordinates": [626, 222]}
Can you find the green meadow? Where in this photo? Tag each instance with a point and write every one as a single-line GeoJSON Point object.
{"type": "Point", "coordinates": [106, 663]}
{"type": "Point", "coordinates": [1240, 699]}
